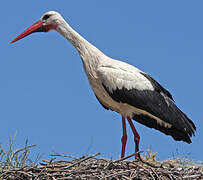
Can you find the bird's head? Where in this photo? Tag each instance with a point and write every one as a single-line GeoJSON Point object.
{"type": "Point", "coordinates": [49, 21]}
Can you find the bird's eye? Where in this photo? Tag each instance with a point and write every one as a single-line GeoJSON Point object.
{"type": "Point", "coordinates": [46, 17]}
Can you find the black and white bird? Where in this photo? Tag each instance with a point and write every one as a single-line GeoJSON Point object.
{"type": "Point", "coordinates": [121, 87]}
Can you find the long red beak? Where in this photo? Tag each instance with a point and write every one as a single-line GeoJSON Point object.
{"type": "Point", "coordinates": [36, 27]}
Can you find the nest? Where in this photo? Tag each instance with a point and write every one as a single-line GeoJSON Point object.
{"type": "Point", "coordinates": [92, 168]}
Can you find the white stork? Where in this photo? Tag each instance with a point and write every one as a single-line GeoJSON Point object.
{"type": "Point", "coordinates": [121, 87]}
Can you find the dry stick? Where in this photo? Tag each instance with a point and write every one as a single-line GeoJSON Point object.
{"type": "Point", "coordinates": [170, 176]}
{"type": "Point", "coordinates": [116, 174]}
{"type": "Point", "coordinates": [169, 173]}
{"type": "Point", "coordinates": [152, 165]}
{"type": "Point", "coordinates": [55, 165]}
{"type": "Point", "coordinates": [125, 177]}
{"type": "Point", "coordinates": [89, 157]}
{"type": "Point", "coordinates": [63, 155]}
{"type": "Point", "coordinates": [41, 172]}
{"type": "Point", "coordinates": [146, 170]}
{"type": "Point", "coordinates": [25, 173]}
{"type": "Point", "coordinates": [155, 173]}
{"type": "Point", "coordinates": [129, 156]}
{"type": "Point", "coordinates": [64, 178]}
{"type": "Point", "coordinates": [191, 176]}
{"type": "Point", "coordinates": [6, 172]}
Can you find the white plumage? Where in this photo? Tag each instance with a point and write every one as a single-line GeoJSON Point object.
{"type": "Point", "coordinates": [121, 87]}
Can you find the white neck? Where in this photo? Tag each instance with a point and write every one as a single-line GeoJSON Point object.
{"type": "Point", "coordinates": [90, 55]}
{"type": "Point", "coordinates": [82, 45]}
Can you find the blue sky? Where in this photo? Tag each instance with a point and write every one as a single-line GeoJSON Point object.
{"type": "Point", "coordinates": [45, 95]}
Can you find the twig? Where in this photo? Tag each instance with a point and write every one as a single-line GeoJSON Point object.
{"type": "Point", "coordinates": [146, 170]}
{"type": "Point", "coordinates": [63, 155]}
{"type": "Point", "coordinates": [82, 160]}
{"type": "Point", "coordinates": [191, 176]}
{"type": "Point", "coordinates": [170, 176]}
{"type": "Point", "coordinates": [155, 173]}
{"type": "Point", "coordinates": [116, 174]}
{"type": "Point", "coordinates": [41, 172]}
{"type": "Point", "coordinates": [129, 156]}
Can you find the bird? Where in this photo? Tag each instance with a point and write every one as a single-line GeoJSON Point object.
{"type": "Point", "coordinates": [122, 87]}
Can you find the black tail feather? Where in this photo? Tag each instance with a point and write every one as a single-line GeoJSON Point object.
{"type": "Point", "coordinates": [176, 133]}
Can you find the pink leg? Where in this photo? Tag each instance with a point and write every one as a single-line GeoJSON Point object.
{"type": "Point", "coordinates": [136, 137]}
{"type": "Point", "coordinates": [124, 137]}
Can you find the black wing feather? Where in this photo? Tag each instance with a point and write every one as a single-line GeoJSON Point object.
{"type": "Point", "coordinates": [159, 103]}
{"type": "Point", "coordinates": [158, 86]}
